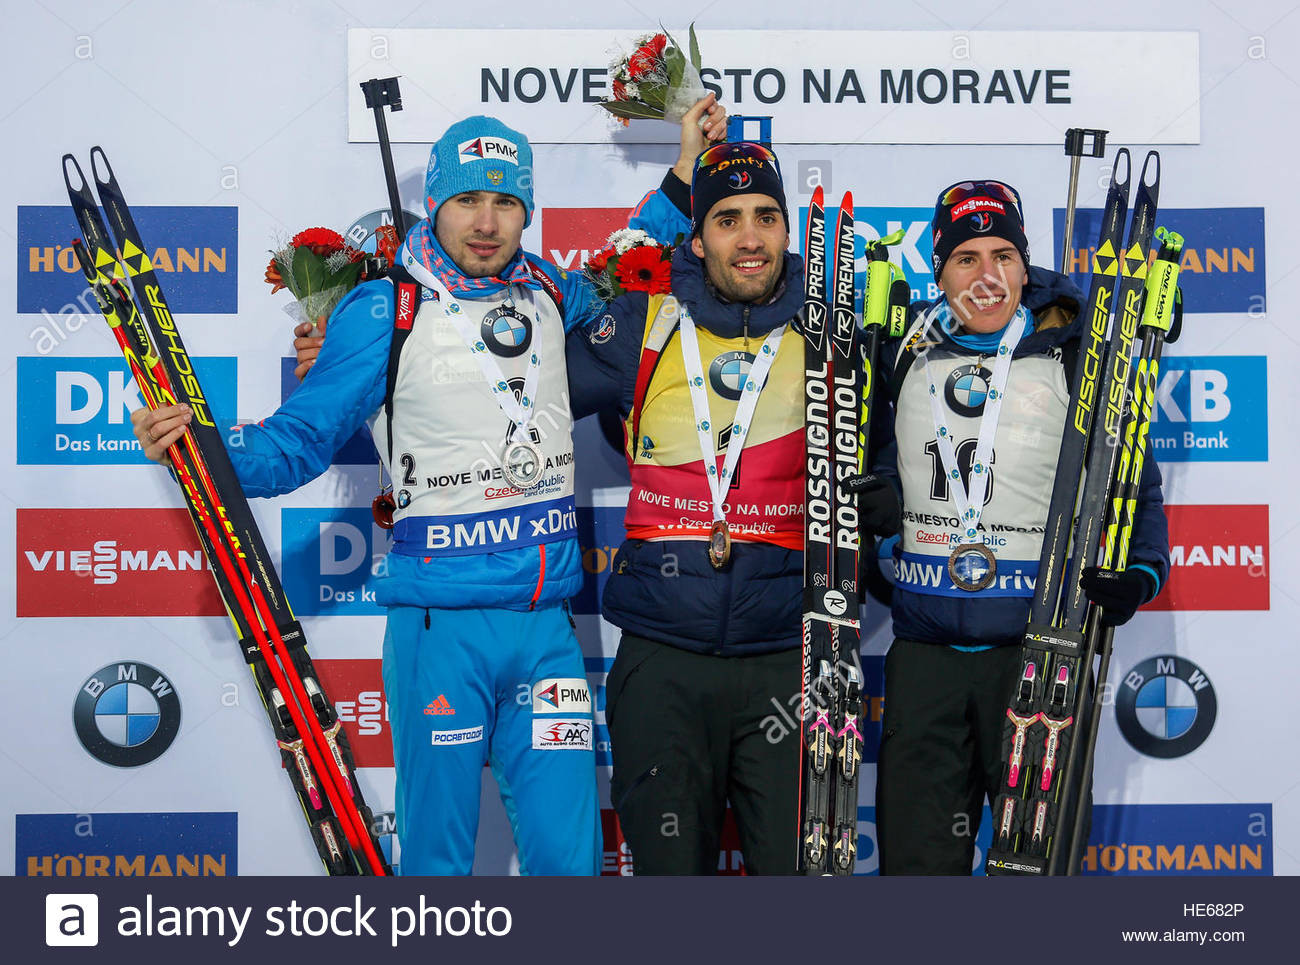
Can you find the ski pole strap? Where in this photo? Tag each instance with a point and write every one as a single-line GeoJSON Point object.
{"type": "Point", "coordinates": [1162, 282]}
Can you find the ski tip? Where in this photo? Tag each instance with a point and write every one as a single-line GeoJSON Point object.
{"type": "Point", "coordinates": [1151, 170]}
{"type": "Point", "coordinates": [818, 197]}
{"type": "Point", "coordinates": [846, 204]}
{"type": "Point", "coordinates": [1125, 160]}
{"type": "Point", "coordinates": [69, 165]}
{"type": "Point", "coordinates": [97, 157]}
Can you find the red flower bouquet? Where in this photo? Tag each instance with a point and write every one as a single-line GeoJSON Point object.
{"type": "Point", "coordinates": [656, 81]}
{"type": "Point", "coordinates": [631, 261]}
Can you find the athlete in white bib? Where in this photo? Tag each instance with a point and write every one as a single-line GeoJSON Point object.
{"type": "Point", "coordinates": [981, 398]}
{"type": "Point", "coordinates": [480, 662]}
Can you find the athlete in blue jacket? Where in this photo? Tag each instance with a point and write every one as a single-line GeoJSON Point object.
{"type": "Point", "coordinates": [955, 655]}
{"type": "Point", "coordinates": [480, 660]}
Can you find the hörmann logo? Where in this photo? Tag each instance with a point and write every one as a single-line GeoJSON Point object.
{"type": "Point", "coordinates": [112, 562]}
{"type": "Point", "coordinates": [194, 249]}
{"type": "Point", "coordinates": [1211, 408]}
{"type": "Point", "coordinates": [1222, 265]}
{"type": "Point", "coordinates": [77, 410]}
{"type": "Point", "coordinates": [127, 845]}
{"type": "Point", "coordinates": [1180, 839]}
{"type": "Point", "coordinates": [1219, 559]}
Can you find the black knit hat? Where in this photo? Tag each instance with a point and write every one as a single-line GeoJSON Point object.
{"type": "Point", "coordinates": [976, 209]}
{"type": "Point", "coordinates": [738, 167]}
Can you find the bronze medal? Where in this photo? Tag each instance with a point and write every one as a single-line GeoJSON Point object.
{"type": "Point", "coordinates": [719, 544]}
{"type": "Point", "coordinates": [972, 567]}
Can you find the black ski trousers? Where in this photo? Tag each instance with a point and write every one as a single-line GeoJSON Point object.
{"type": "Point", "coordinates": [691, 732]}
{"type": "Point", "coordinates": [940, 754]}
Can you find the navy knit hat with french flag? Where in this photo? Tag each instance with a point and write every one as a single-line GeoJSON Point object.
{"type": "Point", "coordinates": [976, 209]}
{"type": "Point", "coordinates": [479, 154]}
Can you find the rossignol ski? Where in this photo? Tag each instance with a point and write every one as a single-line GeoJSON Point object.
{"type": "Point", "coordinates": [1042, 785]}
{"type": "Point", "coordinates": [311, 741]}
{"type": "Point", "coordinates": [839, 379]}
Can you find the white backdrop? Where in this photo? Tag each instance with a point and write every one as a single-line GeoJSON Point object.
{"type": "Point", "coordinates": [229, 130]}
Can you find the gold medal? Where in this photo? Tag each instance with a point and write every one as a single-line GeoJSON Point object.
{"type": "Point", "coordinates": [719, 544]}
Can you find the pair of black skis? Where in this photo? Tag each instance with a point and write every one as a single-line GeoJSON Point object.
{"type": "Point", "coordinates": [313, 747]}
{"type": "Point", "coordinates": [839, 386]}
{"type": "Point", "coordinates": [1037, 815]}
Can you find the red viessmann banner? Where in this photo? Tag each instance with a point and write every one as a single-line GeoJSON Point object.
{"type": "Point", "coordinates": [570, 236]}
{"type": "Point", "coordinates": [112, 562]}
{"type": "Point", "coordinates": [356, 689]}
{"type": "Point", "coordinates": [1218, 559]}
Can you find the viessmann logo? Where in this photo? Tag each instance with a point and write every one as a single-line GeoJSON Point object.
{"type": "Point", "coordinates": [570, 236]}
{"type": "Point", "coordinates": [1218, 559]}
{"type": "Point", "coordinates": [356, 688]}
{"type": "Point", "coordinates": [193, 249]}
{"type": "Point", "coordinates": [111, 562]}
{"type": "Point", "coordinates": [77, 411]}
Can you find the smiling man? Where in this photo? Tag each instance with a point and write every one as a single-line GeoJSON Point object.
{"type": "Point", "coordinates": [981, 383]}
{"type": "Point", "coordinates": [707, 585]}
{"type": "Point", "coordinates": [457, 363]}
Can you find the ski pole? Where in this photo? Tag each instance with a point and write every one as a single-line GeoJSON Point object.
{"type": "Point", "coordinates": [1076, 147]}
{"type": "Point", "coordinates": [380, 93]}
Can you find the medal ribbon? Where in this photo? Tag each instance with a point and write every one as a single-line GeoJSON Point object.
{"type": "Point", "coordinates": [970, 505]}
{"type": "Point", "coordinates": [752, 389]}
{"type": "Point", "coordinates": [517, 410]}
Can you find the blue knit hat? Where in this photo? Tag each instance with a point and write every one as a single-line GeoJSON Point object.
{"type": "Point", "coordinates": [479, 154]}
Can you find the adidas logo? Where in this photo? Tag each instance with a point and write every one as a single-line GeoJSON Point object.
{"type": "Point", "coordinates": [440, 706]}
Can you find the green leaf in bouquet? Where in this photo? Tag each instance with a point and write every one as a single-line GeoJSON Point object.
{"type": "Point", "coordinates": [695, 47]}
{"type": "Point", "coordinates": [675, 61]}
{"type": "Point", "coordinates": [348, 276]}
{"type": "Point", "coordinates": [307, 273]}
{"type": "Point", "coordinates": [655, 95]}
{"type": "Point", "coordinates": [633, 110]}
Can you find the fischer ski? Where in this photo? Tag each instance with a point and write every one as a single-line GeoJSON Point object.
{"type": "Point", "coordinates": [1042, 785]}
{"type": "Point", "coordinates": [312, 745]}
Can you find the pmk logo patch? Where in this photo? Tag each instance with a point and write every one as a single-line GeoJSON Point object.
{"type": "Point", "coordinates": [562, 695]}
{"type": "Point", "coordinates": [488, 148]}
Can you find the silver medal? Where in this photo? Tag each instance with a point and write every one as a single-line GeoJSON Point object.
{"type": "Point", "coordinates": [521, 463]}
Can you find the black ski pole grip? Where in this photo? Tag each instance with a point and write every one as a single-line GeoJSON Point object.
{"type": "Point", "coordinates": [1085, 142]}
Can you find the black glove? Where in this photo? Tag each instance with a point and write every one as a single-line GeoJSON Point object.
{"type": "Point", "coordinates": [879, 511]}
{"type": "Point", "coordinates": [1119, 594]}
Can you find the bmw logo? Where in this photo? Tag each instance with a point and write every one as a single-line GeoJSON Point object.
{"type": "Point", "coordinates": [966, 389]}
{"type": "Point", "coordinates": [361, 233]}
{"type": "Point", "coordinates": [506, 332]}
{"type": "Point", "coordinates": [1166, 707]}
{"type": "Point", "coordinates": [729, 372]}
{"type": "Point", "coordinates": [126, 714]}
{"type": "Point", "coordinates": [403, 498]}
